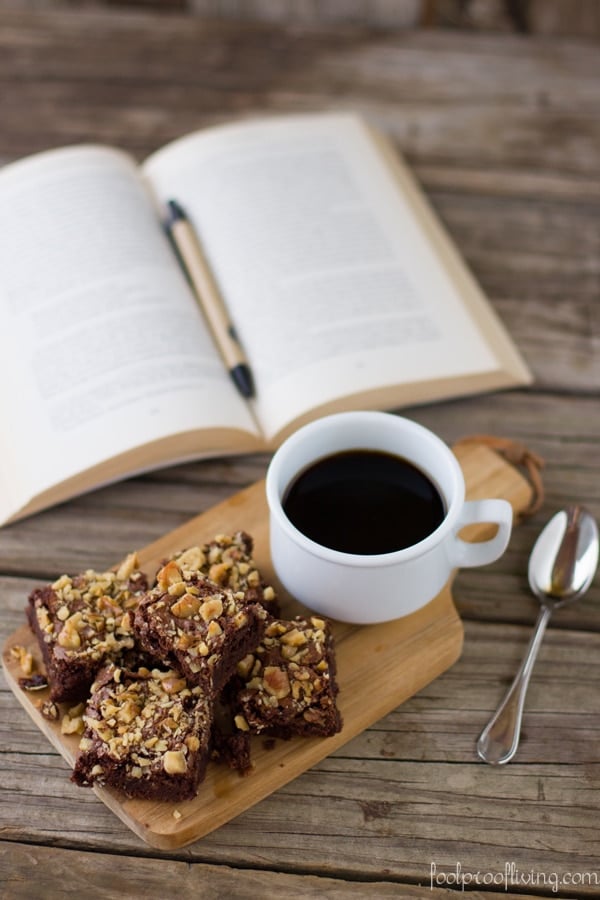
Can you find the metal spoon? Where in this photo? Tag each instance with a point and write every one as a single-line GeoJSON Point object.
{"type": "Point", "coordinates": [561, 568]}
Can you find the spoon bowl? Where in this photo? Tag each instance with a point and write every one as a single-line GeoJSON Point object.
{"type": "Point", "coordinates": [561, 568]}
{"type": "Point", "coordinates": [565, 557]}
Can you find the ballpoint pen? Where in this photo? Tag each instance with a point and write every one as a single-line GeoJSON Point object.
{"type": "Point", "coordinates": [209, 297]}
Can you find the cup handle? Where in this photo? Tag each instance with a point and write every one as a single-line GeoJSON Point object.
{"type": "Point", "coordinates": [499, 512]}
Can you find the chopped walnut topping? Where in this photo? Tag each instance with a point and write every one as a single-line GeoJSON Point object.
{"type": "Point", "coordinates": [168, 575]}
{"type": "Point", "coordinates": [174, 762]}
{"type": "Point", "coordinates": [145, 727]}
{"type": "Point", "coordinates": [219, 572]}
{"type": "Point", "coordinates": [204, 631]}
{"type": "Point", "coordinates": [211, 608]}
{"type": "Point", "coordinates": [69, 638]}
{"type": "Point", "coordinates": [191, 560]}
{"type": "Point", "coordinates": [295, 638]}
{"type": "Point", "coordinates": [241, 723]}
{"type": "Point", "coordinates": [128, 566]}
{"type": "Point", "coordinates": [288, 685]}
{"type": "Point", "coordinates": [177, 589]}
{"type": "Point", "coordinates": [186, 607]}
{"type": "Point", "coordinates": [244, 667]}
{"type": "Point", "coordinates": [240, 618]}
{"type": "Point", "coordinates": [83, 621]}
{"type": "Point", "coordinates": [173, 685]}
{"type": "Point", "coordinates": [276, 682]}
{"type": "Point", "coordinates": [214, 629]}
{"type": "Point", "coordinates": [89, 614]}
{"type": "Point", "coordinates": [227, 561]}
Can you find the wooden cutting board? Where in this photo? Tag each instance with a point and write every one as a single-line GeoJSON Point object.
{"type": "Point", "coordinates": [379, 666]}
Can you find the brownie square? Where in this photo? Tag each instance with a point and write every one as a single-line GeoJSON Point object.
{"type": "Point", "coordinates": [197, 627]}
{"type": "Point", "coordinates": [84, 621]}
{"type": "Point", "coordinates": [227, 560]}
{"type": "Point", "coordinates": [287, 685]}
{"type": "Point", "coordinates": [147, 734]}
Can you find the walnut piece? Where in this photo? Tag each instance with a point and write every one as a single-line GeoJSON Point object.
{"type": "Point", "coordinates": [186, 607]}
{"type": "Point", "coordinates": [24, 657]}
{"type": "Point", "coordinates": [276, 682]}
{"type": "Point", "coordinates": [49, 710]}
{"type": "Point", "coordinates": [34, 683]}
{"type": "Point", "coordinates": [168, 575]}
{"type": "Point", "coordinates": [211, 608]}
{"type": "Point", "coordinates": [174, 762]}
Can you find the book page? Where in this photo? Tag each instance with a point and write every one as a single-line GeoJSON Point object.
{"type": "Point", "coordinates": [104, 349]}
{"type": "Point", "coordinates": [334, 286]}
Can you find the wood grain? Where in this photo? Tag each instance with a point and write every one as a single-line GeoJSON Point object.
{"type": "Point", "coordinates": [404, 793]}
{"type": "Point", "coordinates": [113, 877]}
{"type": "Point", "coordinates": [502, 132]}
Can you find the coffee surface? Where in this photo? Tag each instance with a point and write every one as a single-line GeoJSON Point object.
{"type": "Point", "coordinates": [364, 502]}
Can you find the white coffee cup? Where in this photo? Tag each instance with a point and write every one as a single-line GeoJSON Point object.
{"type": "Point", "coordinates": [379, 587]}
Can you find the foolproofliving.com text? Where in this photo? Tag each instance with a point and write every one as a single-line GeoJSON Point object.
{"type": "Point", "coordinates": [509, 877]}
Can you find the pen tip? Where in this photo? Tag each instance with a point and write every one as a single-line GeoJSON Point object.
{"type": "Point", "coordinates": [242, 378]}
{"type": "Point", "coordinates": [176, 212]}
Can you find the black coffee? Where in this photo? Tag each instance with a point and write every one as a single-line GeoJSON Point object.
{"type": "Point", "coordinates": [364, 502]}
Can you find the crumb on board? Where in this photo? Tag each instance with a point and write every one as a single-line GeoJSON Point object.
{"type": "Point", "coordinates": [24, 658]}
{"type": "Point", "coordinates": [36, 682]}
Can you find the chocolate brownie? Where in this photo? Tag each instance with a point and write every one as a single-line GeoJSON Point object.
{"type": "Point", "coordinates": [197, 627]}
{"type": "Point", "coordinates": [229, 745]}
{"type": "Point", "coordinates": [147, 734]}
{"type": "Point", "coordinates": [287, 685]}
{"type": "Point", "coordinates": [84, 621]}
{"type": "Point", "coordinates": [227, 560]}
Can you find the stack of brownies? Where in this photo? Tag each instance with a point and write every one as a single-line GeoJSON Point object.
{"type": "Point", "coordinates": [169, 677]}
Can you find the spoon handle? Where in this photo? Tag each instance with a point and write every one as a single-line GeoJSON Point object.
{"type": "Point", "coordinates": [499, 740]}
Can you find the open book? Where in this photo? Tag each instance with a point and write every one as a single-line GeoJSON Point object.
{"type": "Point", "coordinates": [344, 288]}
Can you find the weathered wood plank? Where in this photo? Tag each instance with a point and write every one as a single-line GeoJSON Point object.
{"type": "Point", "coordinates": [440, 95]}
{"type": "Point", "coordinates": [503, 133]}
{"type": "Point", "coordinates": [454, 91]}
{"type": "Point", "coordinates": [354, 818]}
{"type": "Point", "coordinates": [406, 793]}
{"type": "Point", "coordinates": [112, 877]}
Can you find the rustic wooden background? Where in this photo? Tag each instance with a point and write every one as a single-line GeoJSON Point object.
{"type": "Point", "coordinates": [575, 18]}
{"type": "Point", "coordinates": [503, 132]}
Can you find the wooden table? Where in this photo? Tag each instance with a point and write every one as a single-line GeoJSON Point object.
{"type": "Point", "coordinates": [503, 133]}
